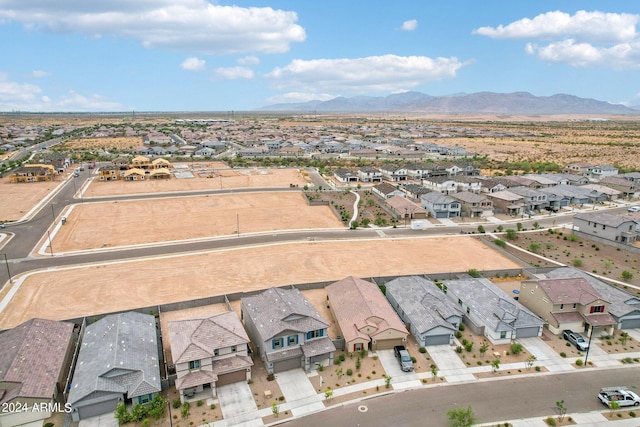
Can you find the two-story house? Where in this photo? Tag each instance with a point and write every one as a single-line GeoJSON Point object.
{"type": "Point", "coordinates": [474, 205]}
{"type": "Point", "coordinates": [209, 353]}
{"type": "Point", "coordinates": [440, 205]}
{"type": "Point", "coordinates": [287, 330]}
{"type": "Point", "coordinates": [606, 226]}
{"type": "Point", "coordinates": [369, 174]}
{"type": "Point", "coordinates": [570, 303]}
{"type": "Point", "coordinates": [393, 173]}
{"type": "Point", "coordinates": [533, 199]}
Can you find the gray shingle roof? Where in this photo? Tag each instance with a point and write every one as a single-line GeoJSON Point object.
{"type": "Point", "coordinates": [277, 310]}
{"type": "Point", "coordinates": [603, 218]}
{"type": "Point", "coordinates": [32, 355]}
{"type": "Point", "coordinates": [424, 304]}
{"type": "Point", "coordinates": [119, 353]}
{"type": "Point", "coordinates": [498, 311]}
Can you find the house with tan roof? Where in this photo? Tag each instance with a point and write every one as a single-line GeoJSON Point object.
{"type": "Point", "coordinates": [287, 330]}
{"type": "Point", "coordinates": [568, 303]}
{"type": "Point", "coordinates": [33, 173]}
{"type": "Point", "coordinates": [208, 353]}
{"type": "Point", "coordinates": [365, 318]}
{"type": "Point", "coordinates": [35, 358]}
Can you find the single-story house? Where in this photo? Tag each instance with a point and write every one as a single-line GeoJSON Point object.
{"type": "Point", "coordinates": [489, 311]}
{"type": "Point", "coordinates": [365, 318]}
{"type": "Point", "coordinates": [117, 362]}
{"type": "Point", "coordinates": [431, 317]}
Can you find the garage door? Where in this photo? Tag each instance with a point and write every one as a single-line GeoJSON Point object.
{"type": "Point", "coordinates": [630, 323]}
{"type": "Point", "coordinates": [287, 364]}
{"type": "Point", "coordinates": [387, 344]}
{"type": "Point", "coordinates": [97, 409]}
{"type": "Point", "coordinates": [437, 339]}
{"type": "Point", "coordinates": [527, 332]}
{"type": "Point", "coordinates": [231, 377]}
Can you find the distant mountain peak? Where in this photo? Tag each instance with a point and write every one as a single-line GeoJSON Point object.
{"type": "Point", "coordinates": [476, 103]}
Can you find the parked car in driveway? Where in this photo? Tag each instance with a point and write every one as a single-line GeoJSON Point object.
{"type": "Point", "coordinates": [401, 353]}
{"type": "Point", "coordinates": [575, 339]}
{"type": "Point", "coordinates": [634, 209]}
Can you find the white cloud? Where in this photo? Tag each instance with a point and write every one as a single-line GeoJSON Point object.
{"type": "Point", "coordinates": [249, 60]}
{"type": "Point", "coordinates": [187, 25]}
{"type": "Point", "coordinates": [409, 25]}
{"type": "Point", "coordinates": [193, 64]}
{"type": "Point", "coordinates": [621, 56]}
{"type": "Point", "coordinates": [586, 39]}
{"type": "Point", "coordinates": [295, 97]}
{"type": "Point", "coordinates": [38, 74]}
{"type": "Point", "coordinates": [28, 97]}
{"type": "Point", "coordinates": [233, 73]}
{"type": "Point", "coordinates": [588, 26]}
{"type": "Point", "coordinates": [362, 75]}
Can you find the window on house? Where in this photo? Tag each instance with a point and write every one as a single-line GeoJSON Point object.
{"type": "Point", "coordinates": [145, 399]}
{"type": "Point", "coordinates": [561, 306]}
{"type": "Point", "coordinates": [292, 340]}
{"type": "Point", "coordinates": [216, 352]}
{"type": "Point", "coordinates": [277, 343]}
{"type": "Point", "coordinates": [234, 348]}
{"type": "Point", "coordinates": [459, 301]}
{"type": "Point", "coordinates": [597, 309]}
{"type": "Point", "coordinates": [503, 334]}
{"type": "Point", "coordinates": [357, 346]}
{"type": "Point", "coordinates": [194, 364]}
{"type": "Point", "coordinates": [315, 334]}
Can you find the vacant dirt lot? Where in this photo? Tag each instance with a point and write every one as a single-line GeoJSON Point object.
{"type": "Point", "coordinates": [88, 290]}
{"type": "Point", "coordinates": [220, 179]}
{"type": "Point", "coordinates": [109, 144]}
{"type": "Point", "coordinates": [111, 224]}
{"type": "Point", "coordinates": [19, 199]}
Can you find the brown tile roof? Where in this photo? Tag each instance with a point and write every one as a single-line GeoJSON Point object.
{"type": "Point", "coordinates": [32, 355]}
{"type": "Point", "coordinates": [357, 303]}
{"type": "Point", "coordinates": [569, 291]}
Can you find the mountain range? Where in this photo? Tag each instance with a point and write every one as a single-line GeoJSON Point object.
{"type": "Point", "coordinates": [522, 103]}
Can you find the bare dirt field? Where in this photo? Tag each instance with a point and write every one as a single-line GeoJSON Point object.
{"type": "Point", "coordinates": [90, 290]}
{"type": "Point", "coordinates": [112, 224]}
{"type": "Point", "coordinates": [221, 179]}
{"type": "Point", "coordinates": [19, 199]}
{"type": "Point", "coordinates": [109, 144]}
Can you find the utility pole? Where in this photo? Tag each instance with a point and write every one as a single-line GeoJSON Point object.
{"type": "Point", "coordinates": [8, 272]}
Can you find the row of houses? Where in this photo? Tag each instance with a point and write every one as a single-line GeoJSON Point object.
{"type": "Point", "coordinates": [119, 358]}
{"type": "Point", "coordinates": [137, 168]}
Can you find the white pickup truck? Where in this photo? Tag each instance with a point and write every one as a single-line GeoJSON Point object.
{"type": "Point", "coordinates": [622, 395]}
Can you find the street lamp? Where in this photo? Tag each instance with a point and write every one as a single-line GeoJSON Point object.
{"type": "Point", "coordinates": [50, 245]}
{"type": "Point", "coordinates": [586, 356]}
{"type": "Point", "coordinates": [53, 212]}
{"type": "Point", "coordinates": [7, 264]}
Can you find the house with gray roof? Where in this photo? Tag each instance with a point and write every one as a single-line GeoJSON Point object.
{"type": "Point", "coordinates": [491, 312]}
{"type": "Point", "coordinates": [209, 353]}
{"type": "Point", "coordinates": [440, 205]}
{"type": "Point", "coordinates": [623, 306]}
{"type": "Point", "coordinates": [432, 318]}
{"type": "Point", "coordinates": [386, 190]}
{"type": "Point", "coordinates": [287, 330]}
{"type": "Point", "coordinates": [607, 226]}
{"type": "Point", "coordinates": [534, 199]}
{"type": "Point", "coordinates": [393, 173]}
{"type": "Point", "coordinates": [600, 171]}
{"type": "Point", "coordinates": [345, 175]}
{"type": "Point", "coordinates": [35, 358]}
{"type": "Point", "coordinates": [117, 362]}
{"type": "Point", "coordinates": [474, 205]}
{"type": "Point", "coordinates": [369, 174]}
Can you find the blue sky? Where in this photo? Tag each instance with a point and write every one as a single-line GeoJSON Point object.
{"type": "Point", "coordinates": [194, 55]}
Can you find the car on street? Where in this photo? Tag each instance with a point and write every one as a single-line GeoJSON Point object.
{"type": "Point", "coordinates": [575, 339]}
{"type": "Point", "coordinates": [621, 395]}
{"type": "Point", "coordinates": [634, 209]}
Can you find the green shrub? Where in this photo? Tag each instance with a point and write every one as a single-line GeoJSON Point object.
{"type": "Point", "coordinates": [184, 412]}
{"type": "Point", "coordinates": [461, 327]}
{"type": "Point", "coordinates": [176, 403]}
{"type": "Point", "coordinates": [458, 349]}
{"type": "Point", "coordinates": [349, 371]}
{"type": "Point", "coordinates": [551, 421]}
{"type": "Point", "coordinates": [500, 242]}
{"type": "Point", "coordinates": [199, 403]}
{"type": "Point", "coordinates": [563, 354]}
{"type": "Point", "coordinates": [422, 350]}
{"type": "Point", "coordinates": [212, 406]}
{"type": "Point", "coordinates": [579, 362]}
{"type": "Point", "coordinates": [516, 348]}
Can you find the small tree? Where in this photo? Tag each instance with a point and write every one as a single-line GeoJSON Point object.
{"type": "Point", "coordinates": [122, 414]}
{"type": "Point", "coordinates": [495, 365]}
{"type": "Point", "coordinates": [328, 394]}
{"type": "Point", "coordinates": [516, 348]}
{"type": "Point", "coordinates": [387, 381]}
{"type": "Point", "coordinates": [614, 405]}
{"type": "Point", "coordinates": [627, 275]}
{"type": "Point", "coordinates": [562, 410]}
{"type": "Point", "coordinates": [511, 234]}
{"type": "Point", "coordinates": [275, 409]}
{"type": "Point", "coordinates": [483, 348]}
{"type": "Point", "coordinates": [500, 228]}
{"type": "Point", "coordinates": [481, 229]}
{"type": "Point", "coordinates": [434, 371]}
{"type": "Point", "coordinates": [461, 417]}
{"type": "Point", "coordinates": [530, 361]}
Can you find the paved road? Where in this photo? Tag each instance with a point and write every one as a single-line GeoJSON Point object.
{"type": "Point", "coordinates": [492, 401]}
